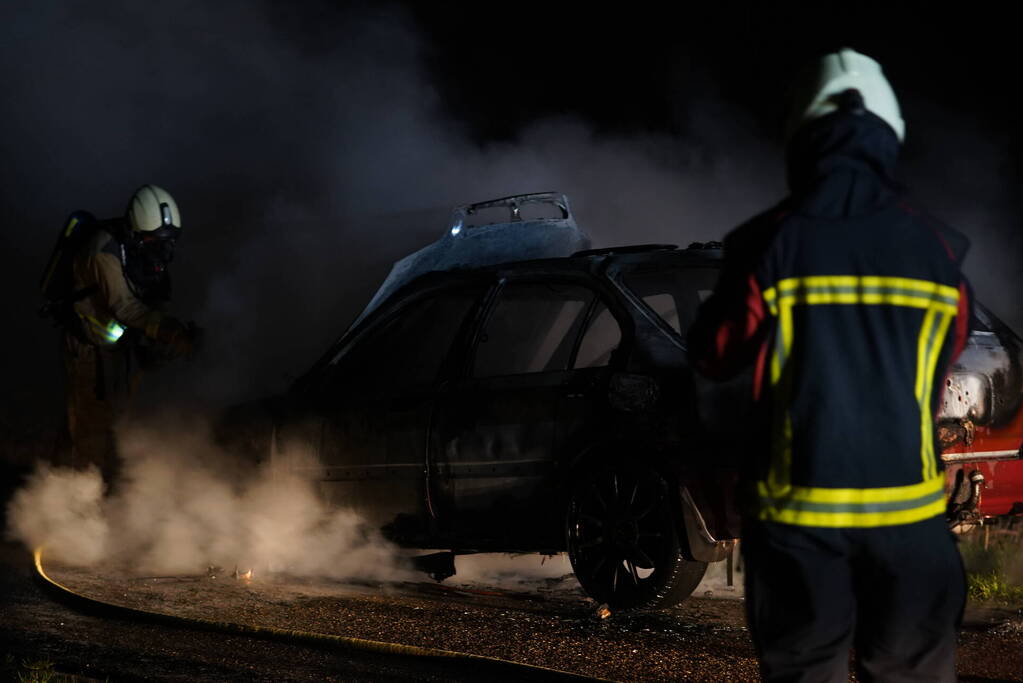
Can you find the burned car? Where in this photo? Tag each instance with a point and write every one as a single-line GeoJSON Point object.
{"type": "Point", "coordinates": [546, 404]}
{"type": "Point", "coordinates": [543, 405]}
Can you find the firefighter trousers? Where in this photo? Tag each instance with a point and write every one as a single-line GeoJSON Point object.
{"type": "Point", "coordinates": [100, 385]}
{"type": "Point", "coordinates": [894, 594]}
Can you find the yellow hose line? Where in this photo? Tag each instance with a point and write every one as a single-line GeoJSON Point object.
{"type": "Point", "coordinates": [291, 635]}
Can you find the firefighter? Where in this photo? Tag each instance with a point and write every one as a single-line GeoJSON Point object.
{"type": "Point", "coordinates": [121, 282]}
{"type": "Point", "coordinates": [848, 303]}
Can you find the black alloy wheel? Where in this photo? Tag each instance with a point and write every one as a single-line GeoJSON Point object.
{"type": "Point", "coordinates": [622, 539]}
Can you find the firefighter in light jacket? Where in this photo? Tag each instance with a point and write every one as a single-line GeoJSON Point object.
{"type": "Point", "coordinates": [120, 284]}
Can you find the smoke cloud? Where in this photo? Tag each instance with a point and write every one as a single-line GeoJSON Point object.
{"type": "Point", "coordinates": [182, 505]}
{"type": "Point", "coordinates": [61, 508]}
{"type": "Point", "coordinates": [309, 149]}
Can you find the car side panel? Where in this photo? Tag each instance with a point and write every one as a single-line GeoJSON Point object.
{"type": "Point", "coordinates": [493, 457]}
{"type": "Point", "coordinates": [373, 458]}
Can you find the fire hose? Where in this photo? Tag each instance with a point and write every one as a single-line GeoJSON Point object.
{"type": "Point", "coordinates": [93, 605]}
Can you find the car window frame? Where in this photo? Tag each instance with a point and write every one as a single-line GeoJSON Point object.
{"type": "Point", "coordinates": [624, 270]}
{"type": "Point", "coordinates": [587, 282]}
{"type": "Point", "coordinates": [389, 311]}
{"type": "Point", "coordinates": [591, 315]}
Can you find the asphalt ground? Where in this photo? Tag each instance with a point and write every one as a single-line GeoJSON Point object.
{"type": "Point", "coordinates": [545, 622]}
{"type": "Point", "coordinates": [34, 627]}
{"type": "Point", "coordinates": [542, 622]}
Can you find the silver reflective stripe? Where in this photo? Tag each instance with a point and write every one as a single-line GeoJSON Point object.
{"type": "Point", "coordinates": [880, 506]}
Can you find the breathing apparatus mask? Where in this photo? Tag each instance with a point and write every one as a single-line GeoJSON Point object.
{"type": "Point", "coordinates": [147, 244]}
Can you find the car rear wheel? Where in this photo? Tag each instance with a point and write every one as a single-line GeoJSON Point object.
{"type": "Point", "coordinates": [623, 541]}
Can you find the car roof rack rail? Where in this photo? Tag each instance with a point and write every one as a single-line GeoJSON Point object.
{"type": "Point", "coordinates": [462, 217]}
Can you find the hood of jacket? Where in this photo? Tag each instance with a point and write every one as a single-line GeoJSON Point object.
{"type": "Point", "coordinates": [842, 165]}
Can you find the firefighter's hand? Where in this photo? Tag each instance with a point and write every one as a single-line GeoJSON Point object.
{"type": "Point", "coordinates": [180, 340]}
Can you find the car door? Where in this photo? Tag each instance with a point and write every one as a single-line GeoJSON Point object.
{"type": "Point", "coordinates": [377, 406]}
{"type": "Point", "coordinates": [494, 434]}
{"type": "Point", "coordinates": [584, 419]}
{"type": "Point", "coordinates": [705, 410]}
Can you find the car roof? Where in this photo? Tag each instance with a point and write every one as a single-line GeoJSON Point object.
{"type": "Point", "coordinates": [667, 254]}
{"type": "Point", "coordinates": [591, 262]}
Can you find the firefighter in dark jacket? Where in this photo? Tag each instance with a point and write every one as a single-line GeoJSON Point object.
{"type": "Point", "coordinates": [848, 302]}
{"type": "Point", "coordinates": [121, 275]}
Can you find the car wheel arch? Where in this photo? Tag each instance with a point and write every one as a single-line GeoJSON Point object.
{"type": "Point", "coordinates": [695, 541]}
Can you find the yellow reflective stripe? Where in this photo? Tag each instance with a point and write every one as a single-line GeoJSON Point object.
{"type": "Point", "coordinates": [927, 417]}
{"type": "Point", "coordinates": [859, 297]}
{"type": "Point", "coordinates": [861, 289]}
{"type": "Point", "coordinates": [886, 494]}
{"type": "Point", "coordinates": [770, 296]}
{"type": "Point", "coordinates": [781, 457]}
{"type": "Point", "coordinates": [931, 339]}
{"type": "Point", "coordinates": [847, 520]}
{"type": "Point", "coordinates": [923, 352]}
{"type": "Point", "coordinates": [70, 226]}
{"type": "Point", "coordinates": [110, 331]}
{"type": "Point", "coordinates": [901, 292]}
{"type": "Point", "coordinates": [869, 282]}
{"type": "Point", "coordinates": [92, 321]}
{"type": "Point", "coordinates": [844, 507]}
{"type": "Point", "coordinates": [785, 323]}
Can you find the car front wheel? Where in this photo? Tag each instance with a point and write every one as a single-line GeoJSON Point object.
{"type": "Point", "coordinates": [623, 541]}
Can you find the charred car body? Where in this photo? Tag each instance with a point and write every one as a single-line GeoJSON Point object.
{"type": "Point", "coordinates": [490, 404]}
{"type": "Point", "coordinates": [538, 406]}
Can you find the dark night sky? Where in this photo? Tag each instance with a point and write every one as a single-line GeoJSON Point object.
{"type": "Point", "coordinates": [312, 144]}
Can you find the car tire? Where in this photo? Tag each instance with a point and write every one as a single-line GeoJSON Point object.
{"type": "Point", "coordinates": [623, 539]}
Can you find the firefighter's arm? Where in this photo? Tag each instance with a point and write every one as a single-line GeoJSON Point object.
{"type": "Point", "coordinates": [729, 328]}
{"type": "Point", "coordinates": [133, 313]}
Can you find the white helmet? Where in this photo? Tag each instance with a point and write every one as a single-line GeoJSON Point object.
{"type": "Point", "coordinates": [815, 94]}
{"type": "Point", "coordinates": [152, 208]}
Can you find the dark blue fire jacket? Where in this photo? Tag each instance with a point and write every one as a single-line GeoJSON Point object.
{"type": "Point", "coordinates": [851, 306]}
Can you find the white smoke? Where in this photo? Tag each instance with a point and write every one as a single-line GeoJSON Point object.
{"type": "Point", "coordinates": [61, 509]}
{"type": "Point", "coordinates": [511, 571]}
{"type": "Point", "coordinates": [181, 505]}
